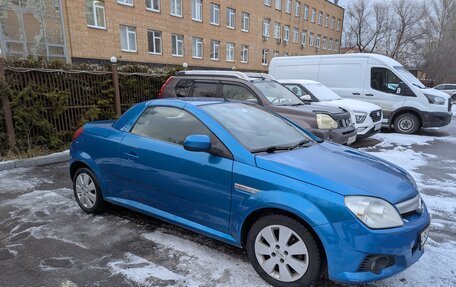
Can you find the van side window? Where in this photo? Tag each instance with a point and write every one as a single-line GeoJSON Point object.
{"type": "Point", "coordinates": [235, 92]}
{"type": "Point", "coordinates": [384, 80]}
{"type": "Point", "coordinates": [183, 88]}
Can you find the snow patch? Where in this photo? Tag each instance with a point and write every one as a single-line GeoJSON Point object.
{"type": "Point", "coordinates": [388, 140]}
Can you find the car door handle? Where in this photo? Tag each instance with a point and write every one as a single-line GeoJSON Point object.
{"type": "Point", "coordinates": [369, 95]}
{"type": "Point", "coordinates": [131, 155]}
{"type": "Point", "coordinates": [356, 94]}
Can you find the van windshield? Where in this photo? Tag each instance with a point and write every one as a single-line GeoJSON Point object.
{"type": "Point", "coordinates": [277, 94]}
{"type": "Point", "coordinates": [321, 92]}
{"type": "Point", "coordinates": [410, 77]}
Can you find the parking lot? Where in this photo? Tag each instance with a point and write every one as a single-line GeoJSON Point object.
{"type": "Point", "coordinates": [46, 239]}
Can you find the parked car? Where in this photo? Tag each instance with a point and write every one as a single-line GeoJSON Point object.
{"type": "Point", "coordinates": [246, 176]}
{"type": "Point", "coordinates": [328, 123]}
{"type": "Point", "coordinates": [450, 89]}
{"type": "Point", "coordinates": [406, 103]}
{"type": "Point", "coordinates": [366, 116]}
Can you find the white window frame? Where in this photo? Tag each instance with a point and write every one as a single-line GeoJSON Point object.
{"type": "Point", "coordinates": [244, 54]}
{"type": "Point", "coordinates": [278, 4]}
{"type": "Point", "coordinates": [245, 27]}
{"type": "Point", "coordinates": [266, 27]}
{"type": "Point", "coordinates": [94, 11]}
{"type": "Point", "coordinates": [176, 4]}
{"type": "Point", "coordinates": [129, 30]}
{"type": "Point", "coordinates": [215, 14]}
{"type": "Point", "coordinates": [306, 12]}
{"type": "Point", "coordinates": [230, 52]}
{"type": "Point", "coordinates": [197, 48]}
{"type": "Point", "coordinates": [295, 35]}
{"type": "Point", "coordinates": [152, 5]}
{"type": "Point", "coordinates": [303, 38]}
{"type": "Point", "coordinates": [325, 43]}
{"type": "Point", "coordinates": [327, 20]}
{"type": "Point", "coordinates": [297, 9]}
{"type": "Point", "coordinates": [215, 45]}
{"type": "Point", "coordinates": [231, 18]}
{"type": "Point", "coordinates": [317, 42]}
{"type": "Point", "coordinates": [320, 18]}
{"type": "Point", "coordinates": [311, 39]}
{"type": "Point", "coordinates": [277, 31]}
{"type": "Point", "coordinates": [314, 15]}
{"type": "Point", "coordinates": [331, 44]}
{"type": "Point", "coordinates": [286, 33]}
{"type": "Point", "coordinates": [333, 20]}
{"type": "Point", "coordinates": [267, 2]}
{"type": "Point", "coordinates": [129, 3]}
{"type": "Point", "coordinates": [288, 6]}
{"type": "Point", "coordinates": [197, 10]}
{"type": "Point", "coordinates": [338, 25]}
{"type": "Point", "coordinates": [265, 57]}
{"type": "Point", "coordinates": [336, 46]}
{"type": "Point", "coordinates": [178, 41]}
{"type": "Point", "coordinates": [276, 54]}
{"type": "Point", "coordinates": [153, 41]}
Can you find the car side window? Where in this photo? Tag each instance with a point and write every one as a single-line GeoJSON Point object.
{"type": "Point", "coordinates": [239, 93]}
{"type": "Point", "coordinates": [183, 88]}
{"type": "Point", "coordinates": [205, 90]}
{"type": "Point", "coordinates": [384, 80]}
{"type": "Point", "coordinates": [175, 125]}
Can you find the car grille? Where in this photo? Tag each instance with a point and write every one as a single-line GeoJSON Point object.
{"type": "Point", "coordinates": [344, 123]}
{"type": "Point", "coordinates": [364, 267]}
{"type": "Point", "coordinates": [376, 116]}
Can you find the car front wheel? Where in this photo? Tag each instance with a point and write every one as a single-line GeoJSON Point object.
{"type": "Point", "coordinates": [406, 123]}
{"type": "Point", "coordinates": [87, 191]}
{"type": "Point", "coordinates": [283, 251]}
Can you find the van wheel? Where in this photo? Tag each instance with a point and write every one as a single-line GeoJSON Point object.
{"type": "Point", "coordinates": [406, 123]}
{"type": "Point", "coordinates": [87, 191]}
{"type": "Point", "coordinates": [283, 251]}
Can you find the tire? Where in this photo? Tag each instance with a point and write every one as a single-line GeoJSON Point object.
{"type": "Point", "coordinates": [87, 191]}
{"type": "Point", "coordinates": [406, 123]}
{"type": "Point", "coordinates": [307, 258]}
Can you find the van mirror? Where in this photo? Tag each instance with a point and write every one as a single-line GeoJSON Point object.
{"type": "Point", "coordinates": [403, 89]}
{"type": "Point", "coordinates": [305, 98]}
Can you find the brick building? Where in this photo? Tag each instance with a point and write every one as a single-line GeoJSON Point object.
{"type": "Point", "coordinates": [203, 33]}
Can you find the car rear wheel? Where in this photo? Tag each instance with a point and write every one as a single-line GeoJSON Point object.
{"type": "Point", "coordinates": [87, 191]}
{"type": "Point", "coordinates": [406, 123]}
{"type": "Point", "coordinates": [283, 251]}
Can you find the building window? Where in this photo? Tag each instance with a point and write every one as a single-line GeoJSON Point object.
{"type": "Point", "coordinates": [266, 25]}
{"type": "Point", "coordinates": [314, 13]}
{"type": "Point", "coordinates": [245, 54]}
{"type": "Point", "coordinates": [95, 14]}
{"type": "Point", "coordinates": [177, 45]}
{"type": "Point", "coordinates": [215, 14]}
{"type": "Point", "coordinates": [125, 2]}
{"type": "Point", "coordinates": [265, 57]}
{"type": "Point", "coordinates": [288, 6]}
{"type": "Point", "coordinates": [311, 40]}
{"type": "Point", "coordinates": [317, 42]}
{"type": "Point", "coordinates": [338, 25]}
{"type": "Point", "coordinates": [176, 8]}
{"type": "Point", "coordinates": [285, 54]}
{"type": "Point", "coordinates": [276, 54]}
{"type": "Point", "coordinates": [197, 48]}
{"type": "Point", "coordinates": [245, 22]}
{"type": "Point", "coordinates": [215, 50]}
{"type": "Point", "coordinates": [230, 52]}
{"type": "Point", "coordinates": [155, 42]}
{"type": "Point", "coordinates": [331, 45]}
{"type": "Point", "coordinates": [325, 42]}
{"type": "Point", "coordinates": [128, 38]}
{"type": "Point", "coordinates": [231, 18]}
{"type": "Point", "coordinates": [295, 35]}
{"type": "Point", "coordinates": [320, 18]}
{"type": "Point", "coordinates": [327, 21]}
{"type": "Point", "coordinates": [278, 4]}
{"type": "Point", "coordinates": [197, 10]}
{"type": "Point", "coordinates": [267, 2]}
{"type": "Point", "coordinates": [153, 5]}
{"type": "Point", "coordinates": [298, 9]}
{"type": "Point", "coordinates": [333, 19]}
{"type": "Point", "coordinates": [286, 33]}
{"type": "Point", "coordinates": [303, 38]}
{"type": "Point", "coordinates": [306, 12]}
{"type": "Point", "coordinates": [277, 31]}
{"type": "Point", "coordinates": [336, 46]}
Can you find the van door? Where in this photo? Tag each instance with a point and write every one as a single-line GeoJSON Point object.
{"type": "Point", "coordinates": [381, 89]}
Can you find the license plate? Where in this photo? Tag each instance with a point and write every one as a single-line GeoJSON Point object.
{"type": "Point", "coordinates": [351, 140]}
{"type": "Point", "coordinates": [424, 235]}
{"type": "Point", "coordinates": [378, 126]}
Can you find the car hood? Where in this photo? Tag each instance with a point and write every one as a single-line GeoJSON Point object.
{"type": "Point", "coordinates": [335, 112]}
{"type": "Point", "coordinates": [434, 92]}
{"type": "Point", "coordinates": [342, 170]}
{"type": "Point", "coordinates": [354, 105]}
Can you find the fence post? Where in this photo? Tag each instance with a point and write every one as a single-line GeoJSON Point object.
{"type": "Point", "coordinates": [115, 81]}
{"type": "Point", "coordinates": [6, 106]}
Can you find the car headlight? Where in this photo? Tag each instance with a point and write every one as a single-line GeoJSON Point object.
{"type": "Point", "coordinates": [326, 122]}
{"type": "Point", "coordinates": [360, 116]}
{"type": "Point", "coordinates": [435, 100]}
{"type": "Point", "coordinates": [374, 212]}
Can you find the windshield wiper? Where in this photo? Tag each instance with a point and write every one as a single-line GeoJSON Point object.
{"type": "Point", "coordinates": [272, 149]}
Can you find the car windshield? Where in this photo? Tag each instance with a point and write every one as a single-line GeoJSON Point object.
{"type": "Point", "coordinates": [277, 94]}
{"type": "Point", "coordinates": [409, 77]}
{"type": "Point", "coordinates": [321, 92]}
{"type": "Point", "coordinates": [256, 129]}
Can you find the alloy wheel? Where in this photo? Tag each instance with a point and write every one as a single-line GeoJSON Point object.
{"type": "Point", "coordinates": [86, 190]}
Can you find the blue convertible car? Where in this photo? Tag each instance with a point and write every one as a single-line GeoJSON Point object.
{"type": "Point", "coordinates": [251, 178]}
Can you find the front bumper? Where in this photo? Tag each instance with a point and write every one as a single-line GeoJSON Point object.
{"type": "Point", "coordinates": [350, 242]}
{"type": "Point", "coordinates": [436, 119]}
{"type": "Point", "coordinates": [367, 132]}
{"type": "Point", "coordinates": [340, 135]}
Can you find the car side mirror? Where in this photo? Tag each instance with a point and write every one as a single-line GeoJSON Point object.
{"type": "Point", "coordinates": [305, 98]}
{"type": "Point", "coordinates": [197, 143]}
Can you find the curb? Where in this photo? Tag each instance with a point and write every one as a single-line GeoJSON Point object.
{"type": "Point", "coordinates": [36, 161]}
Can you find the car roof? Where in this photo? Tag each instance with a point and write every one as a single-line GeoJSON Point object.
{"type": "Point", "coordinates": [297, 81]}
{"type": "Point", "coordinates": [246, 76]}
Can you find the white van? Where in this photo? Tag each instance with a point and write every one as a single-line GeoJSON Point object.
{"type": "Point", "coordinates": [407, 104]}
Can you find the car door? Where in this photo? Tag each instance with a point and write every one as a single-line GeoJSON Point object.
{"type": "Point", "coordinates": [162, 174]}
{"type": "Point", "coordinates": [381, 87]}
